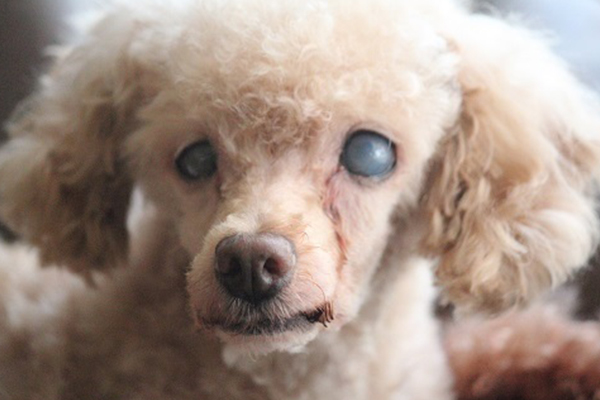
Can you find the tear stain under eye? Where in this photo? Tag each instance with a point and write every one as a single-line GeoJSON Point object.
{"type": "Point", "coordinates": [322, 315]}
{"type": "Point", "coordinates": [333, 214]}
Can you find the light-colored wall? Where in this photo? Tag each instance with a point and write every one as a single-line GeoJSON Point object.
{"type": "Point", "coordinates": [575, 24]}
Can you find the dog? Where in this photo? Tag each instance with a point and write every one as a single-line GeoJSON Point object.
{"type": "Point", "coordinates": [306, 175]}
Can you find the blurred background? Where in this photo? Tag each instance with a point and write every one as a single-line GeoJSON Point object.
{"type": "Point", "coordinates": [573, 24]}
{"type": "Point", "coordinates": [28, 26]}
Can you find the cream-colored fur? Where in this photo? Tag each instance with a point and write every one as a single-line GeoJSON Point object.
{"type": "Point", "coordinates": [492, 195]}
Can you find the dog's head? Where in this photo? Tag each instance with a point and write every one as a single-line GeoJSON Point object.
{"type": "Point", "coordinates": [290, 144]}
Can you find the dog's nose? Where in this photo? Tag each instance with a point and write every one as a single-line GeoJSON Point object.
{"type": "Point", "coordinates": [255, 267]}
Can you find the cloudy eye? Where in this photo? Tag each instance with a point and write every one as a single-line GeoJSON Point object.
{"type": "Point", "coordinates": [368, 154]}
{"type": "Point", "coordinates": [197, 161]}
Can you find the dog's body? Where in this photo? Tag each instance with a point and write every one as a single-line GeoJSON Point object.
{"type": "Point", "coordinates": [306, 166]}
{"type": "Point", "coordinates": [132, 338]}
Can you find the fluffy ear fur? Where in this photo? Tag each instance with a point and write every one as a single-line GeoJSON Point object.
{"type": "Point", "coordinates": [62, 185]}
{"type": "Point", "coordinates": [510, 194]}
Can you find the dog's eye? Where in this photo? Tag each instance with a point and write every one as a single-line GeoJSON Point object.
{"type": "Point", "coordinates": [368, 154]}
{"type": "Point", "coordinates": [197, 161]}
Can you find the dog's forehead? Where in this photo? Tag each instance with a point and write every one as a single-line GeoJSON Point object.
{"type": "Point", "coordinates": [277, 77]}
{"type": "Point", "coordinates": [285, 72]}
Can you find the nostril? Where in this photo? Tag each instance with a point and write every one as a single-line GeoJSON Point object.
{"type": "Point", "coordinates": [233, 267]}
{"type": "Point", "coordinates": [274, 267]}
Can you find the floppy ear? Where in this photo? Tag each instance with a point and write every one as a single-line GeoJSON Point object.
{"type": "Point", "coordinates": [509, 198]}
{"type": "Point", "coordinates": [62, 182]}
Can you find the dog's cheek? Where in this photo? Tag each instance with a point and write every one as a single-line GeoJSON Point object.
{"type": "Point", "coordinates": [189, 208]}
{"type": "Point", "coordinates": [195, 221]}
{"type": "Point", "coordinates": [362, 216]}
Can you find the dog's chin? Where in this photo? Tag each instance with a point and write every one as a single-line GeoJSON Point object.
{"type": "Point", "coordinates": [237, 346]}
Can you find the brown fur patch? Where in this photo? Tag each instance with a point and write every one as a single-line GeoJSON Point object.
{"type": "Point", "coordinates": [323, 315]}
{"type": "Point", "coordinates": [334, 215]}
{"type": "Point", "coordinates": [527, 356]}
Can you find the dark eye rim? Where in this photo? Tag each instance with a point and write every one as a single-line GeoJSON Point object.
{"type": "Point", "coordinates": [366, 179]}
{"type": "Point", "coordinates": [185, 149]}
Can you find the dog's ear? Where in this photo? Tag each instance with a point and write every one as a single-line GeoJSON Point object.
{"type": "Point", "coordinates": [62, 182]}
{"type": "Point", "coordinates": [509, 198]}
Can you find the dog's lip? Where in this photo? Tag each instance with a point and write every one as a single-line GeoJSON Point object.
{"type": "Point", "coordinates": [263, 327]}
{"type": "Point", "coordinates": [300, 322]}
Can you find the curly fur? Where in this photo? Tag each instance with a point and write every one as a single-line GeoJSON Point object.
{"type": "Point", "coordinates": [493, 191]}
{"type": "Point", "coordinates": [507, 203]}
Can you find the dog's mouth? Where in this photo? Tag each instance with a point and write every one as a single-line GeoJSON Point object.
{"type": "Point", "coordinates": [268, 326]}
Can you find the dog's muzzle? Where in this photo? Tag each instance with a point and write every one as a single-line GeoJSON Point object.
{"type": "Point", "coordinates": [255, 267]}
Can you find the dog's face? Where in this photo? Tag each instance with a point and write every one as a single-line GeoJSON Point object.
{"type": "Point", "coordinates": [291, 143]}
{"type": "Point", "coordinates": [282, 174]}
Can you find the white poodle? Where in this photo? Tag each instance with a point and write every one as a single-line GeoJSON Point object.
{"type": "Point", "coordinates": [305, 167]}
